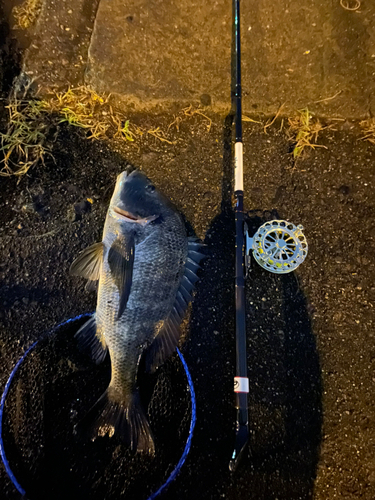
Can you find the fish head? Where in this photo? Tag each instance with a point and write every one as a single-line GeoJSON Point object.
{"type": "Point", "coordinates": [135, 199]}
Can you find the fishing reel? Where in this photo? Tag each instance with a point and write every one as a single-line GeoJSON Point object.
{"type": "Point", "coordinates": [278, 246]}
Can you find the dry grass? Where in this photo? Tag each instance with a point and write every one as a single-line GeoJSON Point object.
{"type": "Point", "coordinates": [32, 121]}
{"type": "Point", "coordinates": [166, 135]}
{"type": "Point", "coordinates": [368, 128]}
{"type": "Point", "coordinates": [271, 122]}
{"type": "Point", "coordinates": [84, 108]}
{"type": "Point", "coordinates": [303, 132]}
{"type": "Point", "coordinates": [187, 113]}
{"type": "Point", "coordinates": [248, 119]}
{"type": "Point", "coordinates": [26, 14]}
{"type": "Point", "coordinates": [25, 142]}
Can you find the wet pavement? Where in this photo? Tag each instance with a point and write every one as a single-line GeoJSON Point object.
{"type": "Point", "coordinates": [310, 334]}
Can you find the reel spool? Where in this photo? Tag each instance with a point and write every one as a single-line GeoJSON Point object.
{"type": "Point", "coordinates": [278, 246]}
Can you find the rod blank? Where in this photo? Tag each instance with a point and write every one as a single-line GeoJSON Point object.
{"type": "Point", "coordinates": [241, 382]}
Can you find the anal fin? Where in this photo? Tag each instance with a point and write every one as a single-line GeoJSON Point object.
{"type": "Point", "coordinates": [90, 341]}
{"type": "Point", "coordinates": [165, 343]}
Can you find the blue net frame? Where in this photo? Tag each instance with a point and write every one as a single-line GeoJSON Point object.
{"type": "Point", "coordinates": [184, 455]}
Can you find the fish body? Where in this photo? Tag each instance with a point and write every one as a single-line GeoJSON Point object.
{"type": "Point", "coordinates": [146, 269]}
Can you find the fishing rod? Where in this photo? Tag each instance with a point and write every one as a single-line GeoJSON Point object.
{"type": "Point", "coordinates": [241, 382]}
{"type": "Point", "coordinates": [278, 246]}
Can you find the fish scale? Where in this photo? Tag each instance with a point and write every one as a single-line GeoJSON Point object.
{"type": "Point", "coordinates": [145, 266]}
{"type": "Point", "coordinates": [158, 268]}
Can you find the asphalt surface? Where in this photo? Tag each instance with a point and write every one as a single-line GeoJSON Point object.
{"type": "Point", "coordinates": [310, 334]}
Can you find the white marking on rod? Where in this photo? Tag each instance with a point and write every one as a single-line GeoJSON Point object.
{"type": "Point", "coordinates": [238, 166]}
{"type": "Point", "coordinates": [241, 384]}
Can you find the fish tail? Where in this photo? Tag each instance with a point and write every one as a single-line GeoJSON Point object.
{"type": "Point", "coordinates": [111, 414]}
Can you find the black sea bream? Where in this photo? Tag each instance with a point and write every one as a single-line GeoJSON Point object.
{"type": "Point", "coordinates": [146, 268]}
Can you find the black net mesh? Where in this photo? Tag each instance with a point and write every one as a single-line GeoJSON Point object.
{"type": "Point", "coordinates": [52, 390]}
{"type": "Point", "coordinates": [56, 385]}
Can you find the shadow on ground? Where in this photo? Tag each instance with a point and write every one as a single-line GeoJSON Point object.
{"type": "Point", "coordinates": [283, 365]}
{"type": "Point", "coordinates": [57, 385]}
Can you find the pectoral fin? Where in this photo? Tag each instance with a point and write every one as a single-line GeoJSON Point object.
{"type": "Point", "coordinates": [121, 261]}
{"type": "Point", "coordinates": [88, 263]}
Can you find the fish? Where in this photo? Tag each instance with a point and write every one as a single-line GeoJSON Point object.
{"type": "Point", "coordinates": [145, 269]}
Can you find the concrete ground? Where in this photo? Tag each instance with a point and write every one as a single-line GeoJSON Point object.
{"type": "Point", "coordinates": [156, 54]}
{"type": "Point", "coordinates": [310, 335]}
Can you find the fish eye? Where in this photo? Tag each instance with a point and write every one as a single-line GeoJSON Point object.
{"type": "Point", "coordinates": [150, 188]}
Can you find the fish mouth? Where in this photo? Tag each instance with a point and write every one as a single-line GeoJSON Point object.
{"type": "Point", "coordinates": [129, 217]}
{"type": "Point", "coordinates": [126, 214]}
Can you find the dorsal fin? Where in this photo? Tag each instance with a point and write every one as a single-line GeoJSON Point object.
{"type": "Point", "coordinates": [167, 339]}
